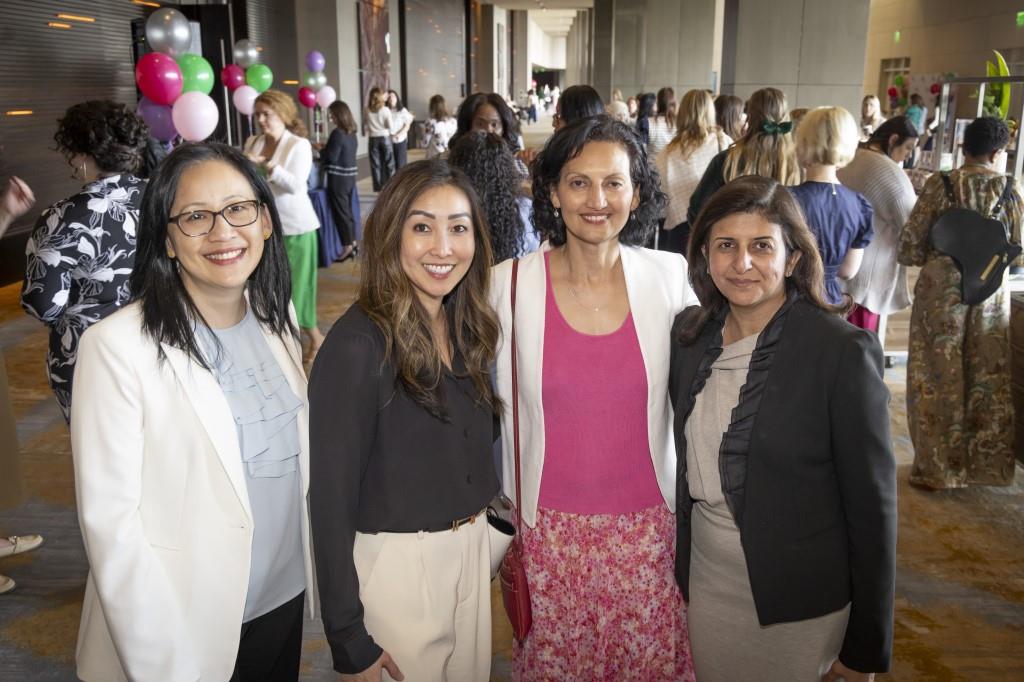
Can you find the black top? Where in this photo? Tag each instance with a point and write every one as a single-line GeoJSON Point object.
{"type": "Point", "coordinates": [808, 473]}
{"type": "Point", "coordinates": [338, 159]}
{"type": "Point", "coordinates": [380, 462]}
{"type": "Point", "coordinates": [712, 181]}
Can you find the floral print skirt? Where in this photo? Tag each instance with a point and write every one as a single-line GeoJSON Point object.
{"type": "Point", "coordinates": [605, 601]}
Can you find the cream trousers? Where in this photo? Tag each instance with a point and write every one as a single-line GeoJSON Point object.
{"type": "Point", "coordinates": [427, 601]}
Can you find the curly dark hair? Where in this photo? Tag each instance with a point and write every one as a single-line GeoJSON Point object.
{"type": "Point", "coordinates": [489, 163]}
{"type": "Point", "coordinates": [107, 131]}
{"type": "Point", "coordinates": [566, 144]}
{"type": "Point", "coordinates": [467, 110]}
{"type": "Point", "coordinates": [985, 135]}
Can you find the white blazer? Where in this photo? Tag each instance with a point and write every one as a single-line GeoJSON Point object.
{"type": "Point", "coordinates": [163, 507]}
{"type": "Point", "coordinates": [289, 181]}
{"type": "Point", "coordinates": [658, 288]}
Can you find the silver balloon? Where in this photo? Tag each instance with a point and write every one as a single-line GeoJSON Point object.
{"type": "Point", "coordinates": [309, 79]}
{"type": "Point", "coordinates": [168, 32]}
{"type": "Point", "coordinates": [246, 54]}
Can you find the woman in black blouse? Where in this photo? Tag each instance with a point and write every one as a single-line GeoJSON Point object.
{"type": "Point", "coordinates": [401, 435]}
{"type": "Point", "coordinates": [338, 161]}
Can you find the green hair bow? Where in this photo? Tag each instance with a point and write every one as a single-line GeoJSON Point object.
{"type": "Point", "coordinates": [772, 128]}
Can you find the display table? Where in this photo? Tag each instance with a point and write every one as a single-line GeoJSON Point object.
{"type": "Point", "coordinates": [328, 236]}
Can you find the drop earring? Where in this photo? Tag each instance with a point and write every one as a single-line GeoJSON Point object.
{"type": "Point", "coordinates": [556, 212]}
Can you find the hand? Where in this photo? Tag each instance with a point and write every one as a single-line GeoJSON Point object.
{"type": "Point", "coordinates": [255, 158]}
{"type": "Point", "coordinates": [375, 672]}
{"type": "Point", "coordinates": [527, 155]}
{"type": "Point", "coordinates": [838, 671]}
{"type": "Point", "coordinates": [15, 202]}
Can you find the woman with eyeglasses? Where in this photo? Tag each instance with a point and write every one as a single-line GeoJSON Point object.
{"type": "Point", "coordinates": [190, 441]}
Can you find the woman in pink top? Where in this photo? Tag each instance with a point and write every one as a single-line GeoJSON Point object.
{"type": "Point", "coordinates": [593, 317]}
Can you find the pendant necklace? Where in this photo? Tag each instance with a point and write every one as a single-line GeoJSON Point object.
{"type": "Point", "coordinates": [580, 303]}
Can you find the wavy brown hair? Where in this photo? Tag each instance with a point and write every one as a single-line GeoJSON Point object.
{"type": "Point", "coordinates": [285, 108]}
{"type": "Point", "coordinates": [389, 299]}
{"type": "Point", "coordinates": [773, 202]}
{"type": "Point", "coordinates": [695, 122]}
{"type": "Point", "coordinates": [771, 155]}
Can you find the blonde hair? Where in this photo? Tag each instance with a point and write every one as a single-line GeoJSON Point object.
{"type": "Point", "coordinates": [827, 136]}
{"type": "Point", "coordinates": [694, 122]}
{"type": "Point", "coordinates": [377, 99]}
{"type": "Point", "coordinates": [768, 154]}
{"type": "Point", "coordinates": [284, 107]}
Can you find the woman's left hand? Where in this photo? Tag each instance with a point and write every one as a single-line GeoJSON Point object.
{"type": "Point", "coordinates": [838, 671]}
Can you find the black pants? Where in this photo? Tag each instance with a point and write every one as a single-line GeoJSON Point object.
{"type": "Point", "coordinates": [271, 645]}
{"type": "Point", "coordinates": [401, 153]}
{"type": "Point", "coordinates": [382, 161]}
{"type": "Point", "coordinates": [339, 193]}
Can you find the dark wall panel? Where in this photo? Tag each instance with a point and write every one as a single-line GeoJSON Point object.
{"type": "Point", "coordinates": [434, 53]}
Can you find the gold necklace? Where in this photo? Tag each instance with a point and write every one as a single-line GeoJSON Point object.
{"type": "Point", "coordinates": [579, 302]}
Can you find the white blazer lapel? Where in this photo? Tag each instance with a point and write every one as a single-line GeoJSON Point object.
{"type": "Point", "coordinates": [649, 309]}
{"type": "Point", "coordinates": [214, 413]}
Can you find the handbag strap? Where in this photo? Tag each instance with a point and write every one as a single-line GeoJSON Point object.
{"type": "Point", "coordinates": [948, 184]}
{"type": "Point", "coordinates": [515, 399]}
{"type": "Point", "coordinates": [1004, 197]}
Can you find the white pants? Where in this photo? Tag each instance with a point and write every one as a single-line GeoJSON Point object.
{"type": "Point", "coordinates": [427, 601]}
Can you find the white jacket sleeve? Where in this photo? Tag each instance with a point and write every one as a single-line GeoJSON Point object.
{"type": "Point", "coordinates": [142, 612]}
{"type": "Point", "coordinates": [292, 175]}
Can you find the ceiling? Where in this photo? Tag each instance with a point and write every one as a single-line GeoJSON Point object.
{"type": "Point", "coordinates": [554, 17]}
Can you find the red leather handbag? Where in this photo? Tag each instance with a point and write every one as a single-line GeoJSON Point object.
{"type": "Point", "coordinates": [515, 591]}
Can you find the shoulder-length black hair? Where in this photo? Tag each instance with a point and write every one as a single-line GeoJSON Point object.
{"type": "Point", "coordinates": [107, 131]}
{"type": "Point", "coordinates": [579, 101]}
{"type": "Point", "coordinates": [646, 105]}
{"type": "Point", "coordinates": [467, 110]}
{"type": "Point", "coordinates": [566, 144]}
{"type": "Point", "coordinates": [900, 126]}
{"type": "Point", "coordinates": [169, 315]}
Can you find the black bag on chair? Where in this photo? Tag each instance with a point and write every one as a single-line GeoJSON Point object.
{"type": "Point", "coordinates": [980, 246]}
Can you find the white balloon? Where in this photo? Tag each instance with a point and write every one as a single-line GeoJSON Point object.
{"type": "Point", "coordinates": [195, 116]}
{"type": "Point", "coordinates": [325, 96]}
{"type": "Point", "coordinates": [245, 99]}
{"type": "Point", "coordinates": [168, 32]}
{"type": "Point", "coordinates": [245, 53]}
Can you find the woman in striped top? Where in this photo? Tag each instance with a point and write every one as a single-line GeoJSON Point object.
{"type": "Point", "coordinates": [338, 161]}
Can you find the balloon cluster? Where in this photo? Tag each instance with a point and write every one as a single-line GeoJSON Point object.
{"type": "Point", "coordinates": [315, 89]}
{"type": "Point", "coordinates": [246, 78]}
{"type": "Point", "coordinates": [175, 83]}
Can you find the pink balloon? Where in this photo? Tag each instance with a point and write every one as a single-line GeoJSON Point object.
{"type": "Point", "coordinates": [195, 116]}
{"type": "Point", "coordinates": [159, 77]}
{"type": "Point", "coordinates": [232, 77]}
{"type": "Point", "coordinates": [307, 97]}
{"type": "Point", "coordinates": [245, 99]}
{"type": "Point", "coordinates": [325, 96]}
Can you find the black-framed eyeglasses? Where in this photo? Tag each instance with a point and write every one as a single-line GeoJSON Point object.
{"type": "Point", "coordinates": [200, 222]}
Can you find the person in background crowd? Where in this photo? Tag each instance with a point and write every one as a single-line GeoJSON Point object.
{"type": "Point", "coordinates": [786, 544]}
{"type": "Point", "coordinates": [534, 103]}
{"type": "Point", "coordinates": [598, 468]}
{"type": "Point", "coordinates": [486, 112]}
{"type": "Point", "coordinates": [189, 436]}
{"type": "Point", "coordinates": [82, 250]}
{"type": "Point", "coordinates": [916, 113]}
{"type": "Point", "coordinates": [870, 115]}
{"type": "Point", "coordinates": [880, 286]}
{"type": "Point", "coordinates": [440, 127]}
{"type": "Point", "coordinates": [682, 163]}
{"type": "Point", "coordinates": [839, 218]}
{"type": "Point", "coordinates": [578, 101]}
{"type": "Point", "coordinates": [766, 149]}
{"type": "Point", "coordinates": [285, 157]}
{"type": "Point", "coordinates": [645, 110]}
{"type": "Point", "coordinates": [338, 161]}
{"type": "Point", "coordinates": [731, 116]}
{"type": "Point", "coordinates": [490, 166]}
{"type": "Point", "coordinates": [633, 105]}
{"type": "Point", "coordinates": [663, 124]}
{"type": "Point", "coordinates": [959, 402]}
{"type": "Point", "coordinates": [401, 430]}
{"type": "Point", "coordinates": [403, 119]}
{"type": "Point", "coordinates": [379, 125]}
{"type": "Point", "coordinates": [15, 201]}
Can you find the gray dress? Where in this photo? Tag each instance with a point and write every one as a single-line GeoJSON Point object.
{"type": "Point", "coordinates": [728, 642]}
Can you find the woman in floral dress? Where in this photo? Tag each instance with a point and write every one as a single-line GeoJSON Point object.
{"type": "Point", "coordinates": [82, 249]}
{"type": "Point", "coordinates": [959, 401]}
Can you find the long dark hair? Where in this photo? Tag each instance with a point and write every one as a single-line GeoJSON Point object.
{"type": "Point", "coordinates": [343, 115]}
{"type": "Point", "coordinates": [769, 199]}
{"type": "Point", "coordinates": [566, 144]}
{"type": "Point", "coordinates": [729, 115]}
{"type": "Point", "coordinates": [467, 110]}
{"type": "Point", "coordinates": [388, 297]}
{"type": "Point", "coordinates": [169, 314]}
{"type": "Point", "coordinates": [579, 101]}
{"type": "Point", "coordinates": [645, 105]}
{"type": "Point", "coordinates": [900, 126]}
{"type": "Point", "coordinates": [490, 166]}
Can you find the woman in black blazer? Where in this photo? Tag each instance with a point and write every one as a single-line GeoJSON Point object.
{"type": "Point", "coordinates": [786, 489]}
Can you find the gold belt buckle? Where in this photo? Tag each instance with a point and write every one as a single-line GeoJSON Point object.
{"type": "Point", "coordinates": [462, 522]}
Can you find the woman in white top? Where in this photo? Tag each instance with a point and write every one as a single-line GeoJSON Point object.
{"type": "Point", "coordinates": [682, 163]}
{"type": "Point", "coordinates": [870, 116]}
{"type": "Point", "coordinates": [379, 125]}
{"type": "Point", "coordinates": [402, 118]}
{"type": "Point", "coordinates": [286, 158]}
{"type": "Point", "coordinates": [663, 123]}
{"type": "Point", "coordinates": [440, 127]}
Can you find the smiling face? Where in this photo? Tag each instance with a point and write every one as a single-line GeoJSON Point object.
{"type": "Point", "coordinates": [747, 260]}
{"type": "Point", "coordinates": [595, 193]}
{"type": "Point", "coordinates": [487, 120]}
{"type": "Point", "coordinates": [437, 244]}
{"type": "Point", "coordinates": [218, 264]}
{"type": "Point", "coordinates": [268, 120]}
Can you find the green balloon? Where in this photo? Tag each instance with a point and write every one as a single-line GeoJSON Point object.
{"type": "Point", "coordinates": [898, 81]}
{"type": "Point", "coordinates": [259, 77]}
{"type": "Point", "coordinates": [309, 80]}
{"type": "Point", "coordinates": [197, 74]}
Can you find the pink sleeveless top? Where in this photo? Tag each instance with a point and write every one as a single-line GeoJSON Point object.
{"type": "Point", "coordinates": [597, 459]}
